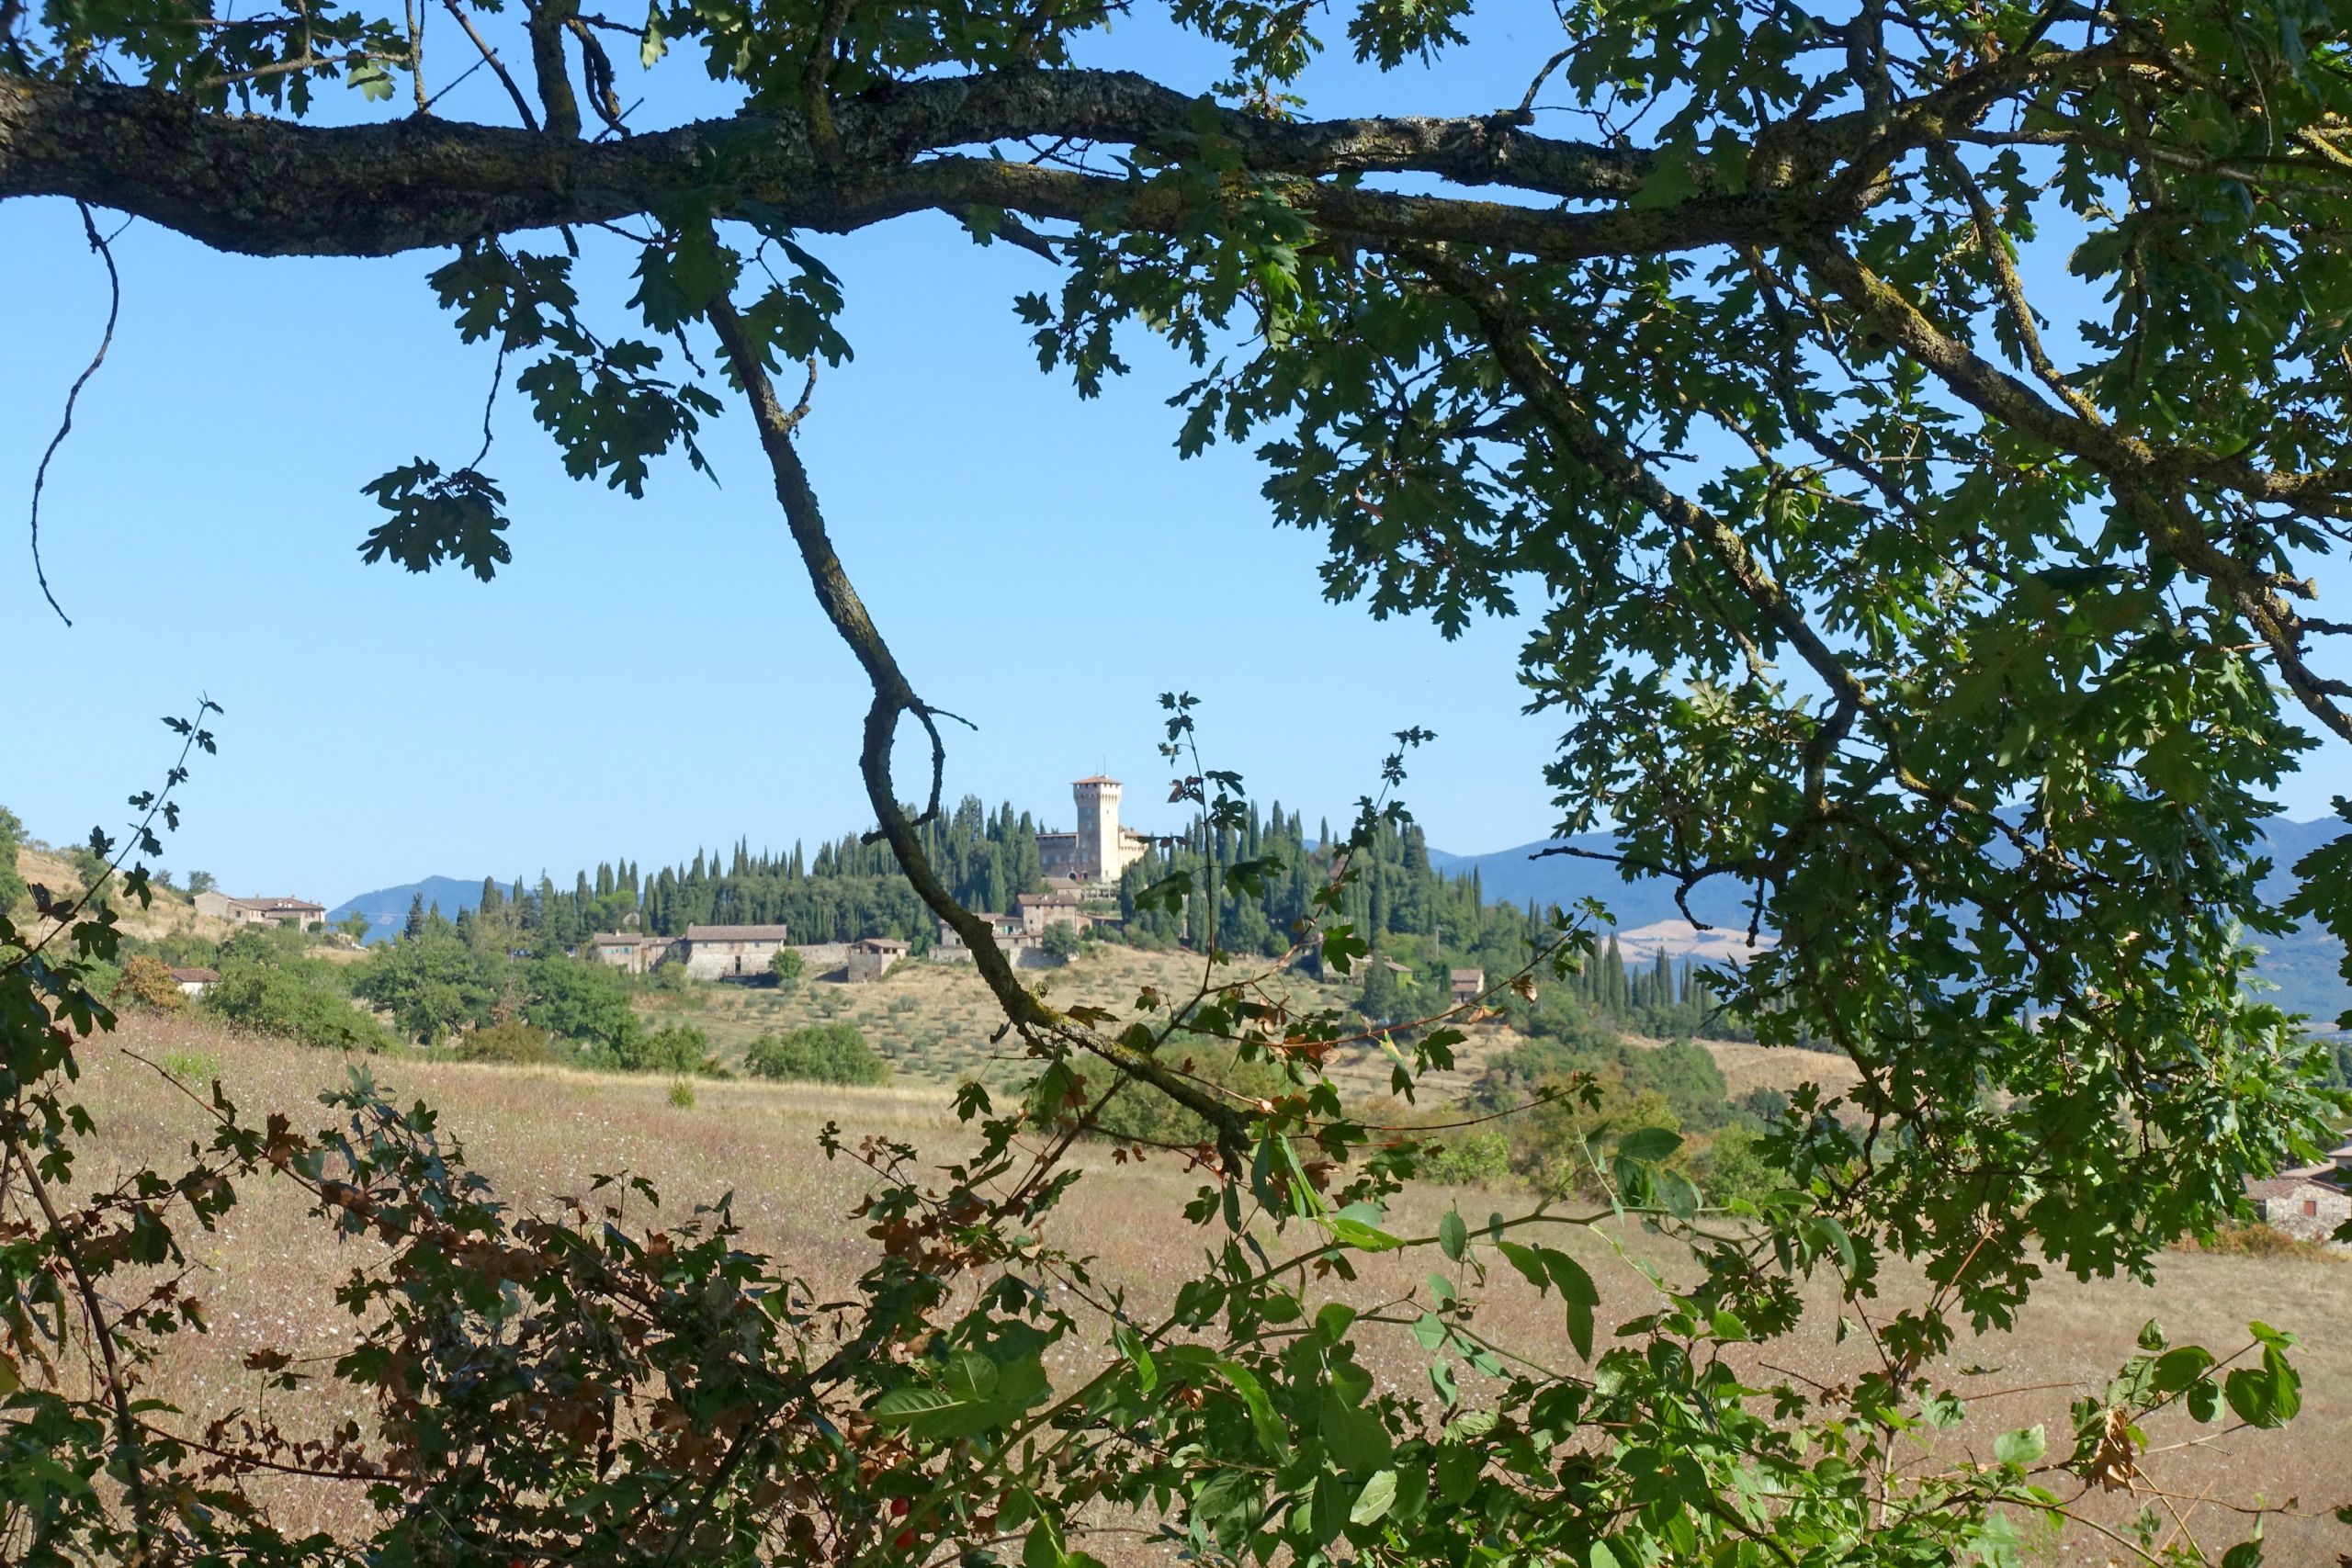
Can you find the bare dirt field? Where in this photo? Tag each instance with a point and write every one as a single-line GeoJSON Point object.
{"type": "Point", "coordinates": [543, 1133]}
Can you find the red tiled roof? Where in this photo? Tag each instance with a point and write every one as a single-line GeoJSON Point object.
{"type": "Point", "coordinates": [196, 976]}
{"type": "Point", "coordinates": [736, 933]}
{"type": "Point", "coordinates": [1096, 779]}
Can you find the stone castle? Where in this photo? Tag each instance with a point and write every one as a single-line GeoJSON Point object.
{"type": "Point", "coordinates": [1101, 849]}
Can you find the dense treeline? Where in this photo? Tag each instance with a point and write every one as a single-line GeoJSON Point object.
{"type": "Point", "coordinates": [1418, 921]}
{"type": "Point", "coordinates": [1420, 924]}
{"type": "Point", "coordinates": [846, 890]}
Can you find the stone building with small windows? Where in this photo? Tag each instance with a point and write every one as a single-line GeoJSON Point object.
{"type": "Point", "coordinates": [261, 911]}
{"type": "Point", "coordinates": [870, 957]}
{"type": "Point", "coordinates": [2307, 1204]}
{"type": "Point", "coordinates": [726, 953]}
{"type": "Point", "coordinates": [632, 951]}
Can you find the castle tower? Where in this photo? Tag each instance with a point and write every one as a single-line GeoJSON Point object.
{"type": "Point", "coordinates": [1098, 830]}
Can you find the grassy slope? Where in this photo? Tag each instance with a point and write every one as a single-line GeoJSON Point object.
{"type": "Point", "coordinates": [269, 1272]}
{"type": "Point", "coordinates": [170, 912]}
{"type": "Point", "coordinates": [933, 1021]}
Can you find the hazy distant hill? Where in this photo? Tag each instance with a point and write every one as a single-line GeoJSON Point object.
{"type": "Point", "coordinates": [387, 907]}
{"type": "Point", "coordinates": [2303, 966]}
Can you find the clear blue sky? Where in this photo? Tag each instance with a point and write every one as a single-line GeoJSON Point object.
{"type": "Point", "coordinates": [651, 676]}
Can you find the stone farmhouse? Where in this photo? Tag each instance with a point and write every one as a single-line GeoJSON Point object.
{"type": "Point", "coordinates": [631, 951]}
{"type": "Point", "coordinates": [713, 953]}
{"type": "Point", "coordinates": [870, 957]}
{"type": "Point", "coordinates": [261, 911]}
{"type": "Point", "coordinates": [2307, 1204]}
{"type": "Point", "coordinates": [1101, 849]}
{"type": "Point", "coordinates": [194, 982]}
{"type": "Point", "coordinates": [1468, 985]}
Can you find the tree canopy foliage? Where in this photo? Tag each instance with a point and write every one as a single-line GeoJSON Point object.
{"type": "Point", "coordinates": [1960, 612]}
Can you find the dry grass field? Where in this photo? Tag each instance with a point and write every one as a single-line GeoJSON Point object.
{"type": "Point", "coordinates": [170, 912]}
{"type": "Point", "coordinates": [543, 1133]}
{"type": "Point", "coordinates": [934, 1022]}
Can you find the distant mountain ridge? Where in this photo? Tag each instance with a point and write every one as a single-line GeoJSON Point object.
{"type": "Point", "coordinates": [387, 907]}
{"type": "Point", "coordinates": [2303, 966]}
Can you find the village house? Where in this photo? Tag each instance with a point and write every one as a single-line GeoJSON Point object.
{"type": "Point", "coordinates": [260, 911]}
{"type": "Point", "coordinates": [2305, 1205]}
{"type": "Point", "coordinates": [719, 953]}
{"type": "Point", "coordinates": [1022, 948]}
{"type": "Point", "coordinates": [1101, 849]}
{"type": "Point", "coordinates": [631, 951]}
{"type": "Point", "coordinates": [194, 983]}
{"type": "Point", "coordinates": [1036, 911]}
{"type": "Point", "coordinates": [870, 957]}
{"type": "Point", "coordinates": [1469, 985]}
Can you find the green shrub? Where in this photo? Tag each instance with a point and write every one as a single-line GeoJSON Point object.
{"type": "Point", "coordinates": [579, 1000]}
{"type": "Point", "coordinates": [677, 1048]}
{"type": "Point", "coordinates": [682, 1094]}
{"type": "Point", "coordinates": [1474, 1159]}
{"type": "Point", "coordinates": [1732, 1167]}
{"type": "Point", "coordinates": [297, 998]}
{"type": "Point", "coordinates": [511, 1040]}
{"type": "Point", "coordinates": [822, 1053]}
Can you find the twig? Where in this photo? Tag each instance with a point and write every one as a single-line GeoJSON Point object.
{"type": "Point", "coordinates": [490, 58]}
{"type": "Point", "coordinates": [416, 56]}
{"type": "Point", "coordinates": [497, 373]}
{"type": "Point", "coordinates": [65, 424]}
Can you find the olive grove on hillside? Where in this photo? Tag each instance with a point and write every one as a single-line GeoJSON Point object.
{"type": "Point", "coordinates": [1973, 649]}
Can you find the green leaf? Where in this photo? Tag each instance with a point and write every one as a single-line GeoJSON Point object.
{"type": "Point", "coordinates": [900, 1405]}
{"type": "Point", "coordinates": [1044, 1547]}
{"type": "Point", "coordinates": [1651, 1146]}
{"type": "Point", "coordinates": [1458, 1469]}
{"type": "Point", "coordinates": [1352, 1229]}
{"type": "Point", "coordinates": [1670, 181]}
{"type": "Point", "coordinates": [1272, 1435]}
{"type": "Point", "coordinates": [1527, 1261]}
{"type": "Point", "coordinates": [1453, 1235]}
{"type": "Point", "coordinates": [375, 83]}
{"type": "Point", "coordinates": [1355, 1437]}
{"type": "Point", "coordinates": [1374, 1500]}
{"type": "Point", "coordinates": [2022, 1447]}
{"type": "Point", "coordinates": [2175, 1370]}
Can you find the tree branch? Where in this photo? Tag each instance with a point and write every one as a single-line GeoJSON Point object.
{"type": "Point", "coordinates": [894, 697]}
